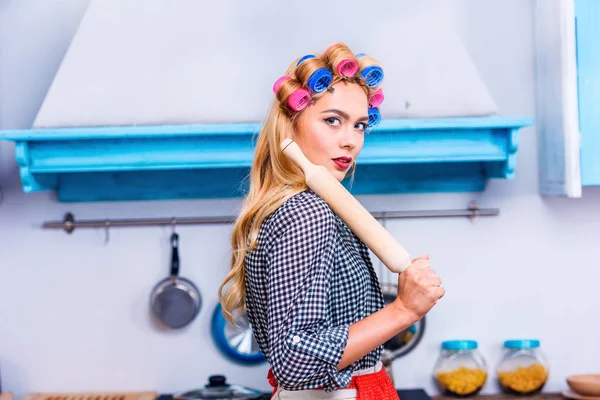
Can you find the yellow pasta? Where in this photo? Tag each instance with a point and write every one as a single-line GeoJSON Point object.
{"type": "Point", "coordinates": [524, 379]}
{"type": "Point", "coordinates": [463, 380]}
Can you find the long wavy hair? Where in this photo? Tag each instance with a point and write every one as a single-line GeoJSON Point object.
{"type": "Point", "coordinates": [274, 178]}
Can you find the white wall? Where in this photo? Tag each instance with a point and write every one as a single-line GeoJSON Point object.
{"type": "Point", "coordinates": [150, 62]}
{"type": "Point", "coordinates": [74, 310]}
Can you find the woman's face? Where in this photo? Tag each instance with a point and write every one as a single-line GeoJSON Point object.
{"type": "Point", "coordinates": [331, 131]}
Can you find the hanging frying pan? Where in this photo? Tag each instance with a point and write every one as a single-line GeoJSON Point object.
{"type": "Point", "coordinates": [175, 301]}
{"type": "Point", "coordinates": [237, 343]}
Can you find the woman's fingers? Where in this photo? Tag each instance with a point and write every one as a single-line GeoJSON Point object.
{"type": "Point", "coordinates": [422, 263]}
{"type": "Point", "coordinates": [434, 281]}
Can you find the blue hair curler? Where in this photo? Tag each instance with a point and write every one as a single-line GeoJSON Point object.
{"type": "Point", "coordinates": [306, 57]}
{"type": "Point", "coordinates": [320, 80]}
{"type": "Point", "coordinates": [373, 75]}
{"type": "Point", "coordinates": [374, 117]}
{"type": "Point", "coordinates": [359, 55]}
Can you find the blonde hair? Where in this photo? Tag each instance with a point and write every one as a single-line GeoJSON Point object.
{"type": "Point", "coordinates": [273, 177]}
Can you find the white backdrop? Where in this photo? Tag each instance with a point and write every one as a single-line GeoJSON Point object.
{"type": "Point", "coordinates": [188, 61]}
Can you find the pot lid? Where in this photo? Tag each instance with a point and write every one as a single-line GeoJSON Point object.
{"type": "Point", "coordinates": [218, 388]}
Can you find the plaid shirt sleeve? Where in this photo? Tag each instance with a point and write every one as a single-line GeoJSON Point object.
{"type": "Point", "coordinates": [305, 347]}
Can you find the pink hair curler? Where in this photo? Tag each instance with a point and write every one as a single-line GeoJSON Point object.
{"type": "Point", "coordinates": [347, 67]}
{"type": "Point", "coordinates": [376, 98]}
{"type": "Point", "coordinates": [278, 83]}
{"type": "Point", "coordinates": [299, 99]}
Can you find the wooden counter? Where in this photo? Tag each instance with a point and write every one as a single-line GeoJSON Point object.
{"type": "Point", "coordinates": [541, 396]}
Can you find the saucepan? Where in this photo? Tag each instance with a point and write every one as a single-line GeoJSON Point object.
{"type": "Point", "coordinates": [175, 301]}
{"type": "Point", "coordinates": [219, 388]}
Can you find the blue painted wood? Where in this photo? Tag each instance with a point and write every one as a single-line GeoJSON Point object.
{"type": "Point", "coordinates": [231, 182]}
{"type": "Point", "coordinates": [212, 161]}
{"type": "Point", "coordinates": [555, 77]}
{"type": "Point", "coordinates": [587, 14]}
{"type": "Point", "coordinates": [150, 131]}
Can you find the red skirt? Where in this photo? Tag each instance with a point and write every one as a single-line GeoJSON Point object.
{"type": "Point", "coordinates": [373, 386]}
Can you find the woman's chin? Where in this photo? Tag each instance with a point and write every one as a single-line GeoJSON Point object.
{"type": "Point", "coordinates": [339, 175]}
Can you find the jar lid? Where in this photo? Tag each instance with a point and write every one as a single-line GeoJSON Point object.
{"type": "Point", "coordinates": [459, 345]}
{"type": "Point", "coordinates": [522, 344]}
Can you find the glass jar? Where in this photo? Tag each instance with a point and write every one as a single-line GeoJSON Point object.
{"type": "Point", "coordinates": [460, 369]}
{"type": "Point", "coordinates": [523, 368]}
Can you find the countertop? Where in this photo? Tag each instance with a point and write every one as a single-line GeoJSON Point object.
{"type": "Point", "coordinates": [405, 394]}
{"type": "Point", "coordinates": [541, 396]}
{"type": "Point", "coordinates": [418, 394]}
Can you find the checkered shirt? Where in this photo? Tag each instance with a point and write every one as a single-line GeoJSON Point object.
{"type": "Point", "coordinates": [307, 281]}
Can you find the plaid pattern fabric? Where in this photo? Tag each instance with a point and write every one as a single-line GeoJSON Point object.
{"type": "Point", "coordinates": [307, 281]}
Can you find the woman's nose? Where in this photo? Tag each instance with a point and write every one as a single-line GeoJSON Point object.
{"type": "Point", "coordinates": [348, 139]}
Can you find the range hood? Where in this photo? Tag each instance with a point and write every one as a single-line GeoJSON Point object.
{"type": "Point", "coordinates": [149, 105]}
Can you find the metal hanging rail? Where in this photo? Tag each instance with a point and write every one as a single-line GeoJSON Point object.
{"type": "Point", "coordinates": [69, 224]}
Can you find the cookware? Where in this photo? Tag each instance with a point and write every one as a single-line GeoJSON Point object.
{"type": "Point", "coordinates": [175, 301]}
{"type": "Point", "coordinates": [585, 384]}
{"type": "Point", "coordinates": [237, 343]}
{"type": "Point", "coordinates": [218, 388]}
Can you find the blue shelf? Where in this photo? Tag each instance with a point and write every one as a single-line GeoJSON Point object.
{"type": "Point", "coordinates": [162, 162]}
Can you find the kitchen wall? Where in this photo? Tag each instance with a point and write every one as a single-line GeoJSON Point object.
{"type": "Point", "coordinates": [74, 309]}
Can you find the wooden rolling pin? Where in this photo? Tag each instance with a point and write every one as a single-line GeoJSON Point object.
{"type": "Point", "coordinates": [358, 219]}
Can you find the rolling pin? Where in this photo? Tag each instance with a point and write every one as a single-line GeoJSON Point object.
{"type": "Point", "coordinates": [359, 220]}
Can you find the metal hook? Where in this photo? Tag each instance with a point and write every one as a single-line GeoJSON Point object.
{"type": "Point", "coordinates": [474, 208]}
{"type": "Point", "coordinates": [173, 223]}
{"type": "Point", "coordinates": [69, 222]}
{"type": "Point", "coordinates": [384, 218]}
{"type": "Point", "coordinates": [106, 233]}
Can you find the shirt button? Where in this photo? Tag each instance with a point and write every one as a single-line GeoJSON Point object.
{"type": "Point", "coordinates": [296, 339]}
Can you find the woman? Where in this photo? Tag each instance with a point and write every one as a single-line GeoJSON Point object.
{"type": "Point", "coordinates": [304, 279]}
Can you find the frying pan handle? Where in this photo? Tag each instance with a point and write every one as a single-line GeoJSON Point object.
{"type": "Point", "coordinates": [174, 254]}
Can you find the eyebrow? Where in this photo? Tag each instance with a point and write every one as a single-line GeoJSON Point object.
{"type": "Point", "coordinates": [343, 114]}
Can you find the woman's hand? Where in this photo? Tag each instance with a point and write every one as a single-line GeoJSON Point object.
{"type": "Point", "coordinates": [418, 291]}
{"type": "Point", "coordinates": [419, 288]}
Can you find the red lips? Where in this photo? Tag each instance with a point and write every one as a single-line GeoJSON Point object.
{"type": "Point", "coordinates": [342, 163]}
{"type": "Point", "coordinates": [344, 159]}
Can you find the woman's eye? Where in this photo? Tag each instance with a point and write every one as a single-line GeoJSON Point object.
{"type": "Point", "coordinates": [362, 126]}
{"type": "Point", "coordinates": [333, 121]}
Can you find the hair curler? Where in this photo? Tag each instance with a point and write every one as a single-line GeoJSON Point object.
{"type": "Point", "coordinates": [319, 80]}
{"type": "Point", "coordinates": [279, 82]}
{"type": "Point", "coordinates": [299, 99]}
{"type": "Point", "coordinates": [374, 117]}
{"type": "Point", "coordinates": [376, 98]}
{"type": "Point", "coordinates": [347, 67]}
